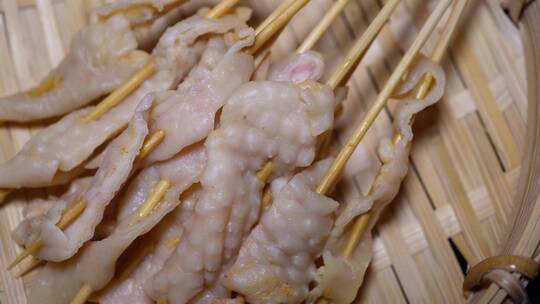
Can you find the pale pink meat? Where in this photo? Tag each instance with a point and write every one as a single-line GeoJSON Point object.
{"type": "Point", "coordinates": [187, 115]}
{"type": "Point", "coordinates": [261, 121]}
{"type": "Point", "coordinates": [101, 58]}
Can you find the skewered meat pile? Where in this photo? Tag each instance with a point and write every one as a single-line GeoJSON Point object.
{"type": "Point", "coordinates": [184, 216]}
{"type": "Point", "coordinates": [230, 200]}
{"type": "Point", "coordinates": [64, 146]}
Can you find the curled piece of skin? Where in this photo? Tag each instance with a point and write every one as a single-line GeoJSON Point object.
{"type": "Point", "coordinates": [395, 162]}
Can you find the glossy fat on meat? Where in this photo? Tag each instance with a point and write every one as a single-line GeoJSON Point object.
{"type": "Point", "coordinates": [63, 146]}
{"type": "Point", "coordinates": [277, 260]}
{"type": "Point", "coordinates": [298, 67]}
{"type": "Point", "coordinates": [101, 58]}
{"type": "Point", "coordinates": [261, 121]}
{"type": "Point", "coordinates": [95, 262]}
{"type": "Point", "coordinates": [340, 278]}
{"type": "Point", "coordinates": [116, 167]}
{"type": "Point", "coordinates": [188, 114]}
{"type": "Point", "coordinates": [35, 211]}
{"type": "Point", "coordinates": [162, 242]}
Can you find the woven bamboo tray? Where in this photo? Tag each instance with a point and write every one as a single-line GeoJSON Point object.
{"type": "Point", "coordinates": [455, 203]}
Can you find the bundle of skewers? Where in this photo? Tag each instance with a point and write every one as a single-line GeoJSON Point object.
{"type": "Point", "coordinates": [204, 175]}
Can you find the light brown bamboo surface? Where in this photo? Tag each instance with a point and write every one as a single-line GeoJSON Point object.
{"type": "Point", "coordinates": [465, 157]}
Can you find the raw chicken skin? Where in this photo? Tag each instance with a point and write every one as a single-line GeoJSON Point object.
{"type": "Point", "coordinates": [116, 167]}
{"type": "Point", "coordinates": [36, 210]}
{"type": "Point", "coordinates": [261, 121]}
{"type": "Point", "coordinates": [68, 143]}
{"type": "Point", "coordinates": [277, 260]}
{"type": "Point", "coordinates": [341, 277]}
{"type": "Point", "coordinates": [101, 58]}
{"type": "Point", "coordinates": [95, 262]}
{"type": "Point", "coordinates": [187, 114]}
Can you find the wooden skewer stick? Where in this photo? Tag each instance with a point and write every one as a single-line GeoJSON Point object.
{"type": "Point", "coordinates": [266, 171]}
{"type": "Point", "coordinates": [221, 9]}
{"type": "Point", "coordinates": [122, 92]}
{"type": "Point", "coordinates": [154, 198]}
{"type": "Point", "coordinates": [83, 294]}
{"type": "Point", "coordinates": [29, 267]}
{"type": "Point", "coordinates": [357, 51]}
{"type": "Point", "coordinates": [322, 26]}
{"type": "Point", "coordinates": [360, 225]}
{"type": "Point", "coordinates": [144, 210]}
{"type": "Point", "coordinates": [284, 6]}
{"type": "Point", "coordinates": [275, 25]}
{"type": "Point", "coordinates": [150, 143]}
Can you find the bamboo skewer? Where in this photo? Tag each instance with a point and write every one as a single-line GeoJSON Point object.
{"type": "Point", "coordinates": [122, 92]}
{"type": "Point", "coordinates": [83, 294]}
{"type": "Point", "coordinates": [360, 225]}
{"type": "Point", "coordinates": [284, 6]}
{"type": "Point", "coordinates": [34, 263]}
{"type": "Point", "coordinates": [221, 9]}
{"type": "Point", "coordinates": [153, 198]}
{"type": "Point", "coordinates": [322, 26]}
{"type": "Point", "coordinates": [275, 26]}
{"type": "Point", "coordinates": [150, 143]}
{"type": "Point", "coordinates": [343, 72]}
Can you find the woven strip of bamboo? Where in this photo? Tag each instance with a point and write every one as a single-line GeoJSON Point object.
{"type": "Point", "coordinates": [465, 157]}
